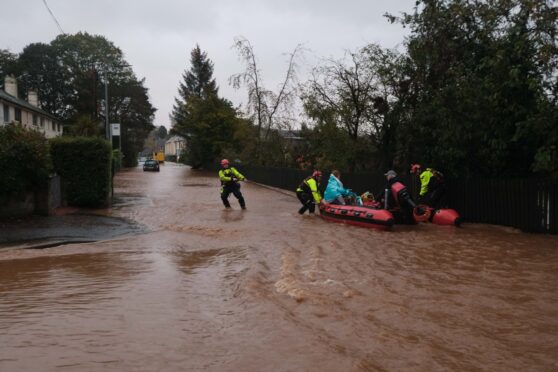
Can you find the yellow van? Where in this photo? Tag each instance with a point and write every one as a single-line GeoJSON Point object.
{"type": "Point", "coordinates": [159, 156]}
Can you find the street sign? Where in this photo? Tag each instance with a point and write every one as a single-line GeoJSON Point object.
{"type": "Point", "coordinates": [115, 129]}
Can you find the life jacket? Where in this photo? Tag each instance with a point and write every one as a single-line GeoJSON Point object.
{"type": "Point", "coordinates": [229, 172]}
{"type": "Point", "coordinates": [396, 188]}
{"type": "Point", "coordinates": [436, 180]}
{"type": "Point", "coordinates": [304, 186]}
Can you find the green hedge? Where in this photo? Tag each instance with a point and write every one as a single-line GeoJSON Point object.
{"type": "Point", "coordinates": [85, 166]}
{"type": "Point", "coordinates": [130, 157]}
{"type": "Point", "coordinates": [116, 161]}
{"type": "Point", "coordinates": [24, 160]}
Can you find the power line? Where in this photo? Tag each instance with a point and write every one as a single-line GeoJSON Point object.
{"type": "Point", "coordinates": [53, 17]}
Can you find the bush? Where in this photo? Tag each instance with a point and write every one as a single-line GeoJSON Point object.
{"type": "Point", "coordinates": [116, 161]}
{"type": "Point", "coordinates": [183, 156]}
{"type": "Point", "coordinates": [85, 166]}
{"type": "Point", "coordinates": [24, 159]}
{"type": "Point", "coordinates": [129, 156]}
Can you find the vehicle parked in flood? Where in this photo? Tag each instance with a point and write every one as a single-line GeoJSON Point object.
{"type": "Point", "coordinates": [151, 165]}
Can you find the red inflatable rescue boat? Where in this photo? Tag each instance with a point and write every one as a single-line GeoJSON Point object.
{"type": "Point", "coordinates": [363, 216]}
{"type": "Point", "coordinates": [447, 217]}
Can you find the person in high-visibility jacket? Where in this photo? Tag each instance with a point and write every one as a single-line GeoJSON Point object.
{"type": "Point", "coordinates": [229, 177]}
{"type": "Point", "coordinates": [308, 192]}
{"type": "Point", "coordinates": [432, 186]}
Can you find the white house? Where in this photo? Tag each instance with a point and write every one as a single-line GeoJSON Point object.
{"type": "Point", "coordinates": [174, 146]}
{"type": "Point", "coordinates": [27, 113]}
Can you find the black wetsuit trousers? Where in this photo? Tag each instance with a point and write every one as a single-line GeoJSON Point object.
{"type": "Point", "coordinates": [226, 190]}
{"type": "Point", "coordinates": [307, 201]}
{"type": "Point", "coordinates": [434, 198]}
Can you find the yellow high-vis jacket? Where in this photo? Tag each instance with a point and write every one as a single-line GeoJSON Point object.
{"type": "Point", "coordinates": [309, 185]}
{"type": "Point", "coordinates": [226, 176]}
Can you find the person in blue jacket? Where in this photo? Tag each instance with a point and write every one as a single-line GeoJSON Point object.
{"type": "Point", "coordinates": [335, 192]}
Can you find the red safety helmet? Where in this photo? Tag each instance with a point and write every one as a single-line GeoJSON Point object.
{"type": "Point", "coordinates": [415, 168]}
{"type": "Point", "coordinates": [224, 162]}
{"type": "Point", "coordinates": [316, 174]}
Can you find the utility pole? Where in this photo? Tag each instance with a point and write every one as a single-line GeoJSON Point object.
{"type": "Point", "coordinates": [107, 128]}
{"type": "Point", "coordinates": [107, 125]}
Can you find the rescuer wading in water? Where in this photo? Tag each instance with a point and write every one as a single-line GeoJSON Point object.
{"type": "Point", "coordinates": [432, 185]}
{"type": "Point", "coordinates": [308, 192]}
{"type": "Point", "coordinates": [229, 177]}
{"type": "Point", "coordinates": [399, 199]}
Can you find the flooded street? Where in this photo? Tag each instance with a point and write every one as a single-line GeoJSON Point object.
{"type": "Point", "coordinates": [266, 289]}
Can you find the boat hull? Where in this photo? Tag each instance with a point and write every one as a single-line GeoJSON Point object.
{"type": "Point", "coordinates": [361, 216]}
{"type": "Point", "coordinates": [446, 217]}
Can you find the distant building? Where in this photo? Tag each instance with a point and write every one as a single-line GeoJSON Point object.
{"type": "Point", "coordinates": [174, 146]}
{"type": "Point", "coordinates": [27, 113]}
{"type": "Point", "coordinates": [292, 138]}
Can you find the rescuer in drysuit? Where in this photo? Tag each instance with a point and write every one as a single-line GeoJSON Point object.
{"type": "Point", "coordinates": [308, 192]}
{"type": "Point", "coordinates": [432, 186]}
{"type": "Point", "coordinates": [229, 177]}
{"type": "Point", "coordinates": [399, 199]}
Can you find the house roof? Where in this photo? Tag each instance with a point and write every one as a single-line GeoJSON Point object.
{"type": "Point", "coordinates": [175, 139]}
{"type": "Point", "coordinates": [293, 135]}
{"type": "Point", "coordinates": [23, 103]}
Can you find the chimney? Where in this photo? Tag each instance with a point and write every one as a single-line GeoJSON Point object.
{"type": "Point", "coordinates": [10, 85]}
{"type": "Point", "coordinates": [33, 98]}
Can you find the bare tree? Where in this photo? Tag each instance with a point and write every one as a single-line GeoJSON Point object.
{"type": "Point", "coordinates": [357, 94]}
{"type": "Point", "coordinates": [268, 109]}
{"type": "Point", "coordinates": [346, 88]}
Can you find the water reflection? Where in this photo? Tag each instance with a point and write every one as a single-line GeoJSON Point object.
{"type": "Point", "coordinates": [77, 268]}
{"type": "Point", "coordinates": [228, 215]}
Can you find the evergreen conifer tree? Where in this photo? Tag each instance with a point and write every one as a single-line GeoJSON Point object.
{"type": "Point", "coordinates": [200, 115]}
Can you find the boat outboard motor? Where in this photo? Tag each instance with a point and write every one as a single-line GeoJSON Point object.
{"type": "Point", "coordinates": [386, 196]}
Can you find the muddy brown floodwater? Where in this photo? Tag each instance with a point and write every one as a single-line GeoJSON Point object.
{"type": "Point", "coordinates": [266, 289]}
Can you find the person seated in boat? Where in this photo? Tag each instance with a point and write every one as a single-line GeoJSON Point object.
{"type": "Point", "coordinates": [398, 198]}
{"type": "Point", "coordinates": [335, 193]}
{"type": "Point", "coordinates": [432, 185]}
{"type": "Point", "coordinates": [308, 192]}
{"type": "Point", "coordinates": [368, 199]}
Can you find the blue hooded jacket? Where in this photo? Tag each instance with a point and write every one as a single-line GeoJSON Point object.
{"type": "Point", "coordinates": [334, 189]}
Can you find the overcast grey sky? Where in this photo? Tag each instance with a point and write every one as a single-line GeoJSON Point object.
{"type": "Point", "coordinates": [157, 36]}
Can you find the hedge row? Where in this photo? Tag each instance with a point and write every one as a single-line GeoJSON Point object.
{"type": "Point", "coordinates": [85, 166]}
{"type": "Point", "coordinates": [24, 160]}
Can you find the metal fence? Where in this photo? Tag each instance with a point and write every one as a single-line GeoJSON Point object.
{"type": "Point", "coordinates": [527, 204]}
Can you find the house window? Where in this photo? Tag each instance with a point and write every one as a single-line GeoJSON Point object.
{"type": "Point", "coordinates": [6, 113]}
{"type": "Point", "coordinates": [17, 115]}
{"type": "Point", "coordinates": [42, 121]}
{"type": "Point", "coordinates": [35, 119]}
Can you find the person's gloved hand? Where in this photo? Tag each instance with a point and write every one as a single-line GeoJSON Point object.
{"type": "Point", "coordinates": [234, 179]}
